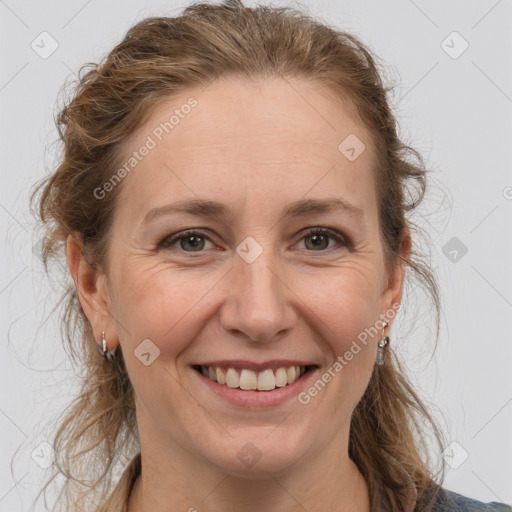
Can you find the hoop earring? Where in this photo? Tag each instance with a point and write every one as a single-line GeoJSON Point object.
{"type": "Point", "coordinates": [104, 350]}
{"type": "Point", "coordinates": [382, 343]}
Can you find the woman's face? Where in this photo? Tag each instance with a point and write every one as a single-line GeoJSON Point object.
{"type": "Point", "coordinates": [251, 286]}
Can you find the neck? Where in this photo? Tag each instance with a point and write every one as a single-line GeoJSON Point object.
{"type": "Point", "coordinates": [321, 483]}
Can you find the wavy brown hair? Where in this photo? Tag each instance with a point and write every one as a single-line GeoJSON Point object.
{"type": "Point", "coordinates": [163, 56]}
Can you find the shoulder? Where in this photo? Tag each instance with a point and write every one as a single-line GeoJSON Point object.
{"type": "Point", "coordinates": [450, 501]}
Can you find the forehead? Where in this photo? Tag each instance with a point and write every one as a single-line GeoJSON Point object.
{"type": "Point", "coordinates": [238, 135]}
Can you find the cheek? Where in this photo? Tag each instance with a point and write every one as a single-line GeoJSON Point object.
{"type": "Point", "coordinates": [352, 333]}
{"type": "Point", "coordinates": [348, 301]}
{"type": "Point", "coordinates": [161, 306]}
{"type": "Point", "coordinates": [350, 342]}
{"type": "Point", "coordinates": [346, 309]}
{"type": "Point", "coordinates": [164, 308]}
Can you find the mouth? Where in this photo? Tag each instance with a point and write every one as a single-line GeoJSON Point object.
{"type": "Point", "coordinates": [249, 380]}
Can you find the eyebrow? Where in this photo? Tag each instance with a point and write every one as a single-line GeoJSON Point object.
{"type": "Point", "coordinates": [209, 208]}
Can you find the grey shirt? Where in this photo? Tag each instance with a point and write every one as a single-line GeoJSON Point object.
{"type": "Point", "coordinates": [454, 502]}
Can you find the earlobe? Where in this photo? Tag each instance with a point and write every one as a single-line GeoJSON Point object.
{"type": "Point", "coordinates": [90, 286]}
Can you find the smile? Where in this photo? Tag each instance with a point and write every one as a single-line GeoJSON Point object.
{"type": "Point", "coordinates": [249, 380]}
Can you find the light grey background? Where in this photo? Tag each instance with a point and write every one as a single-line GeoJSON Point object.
{"type": "Point", "coordinates": [456, 111]}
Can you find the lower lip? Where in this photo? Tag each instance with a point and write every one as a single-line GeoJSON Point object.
{"type": "Point", "coordinates": [257, 399]}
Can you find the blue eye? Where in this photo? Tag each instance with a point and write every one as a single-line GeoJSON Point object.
{"type": "Point", "coordinates": [196, 240]}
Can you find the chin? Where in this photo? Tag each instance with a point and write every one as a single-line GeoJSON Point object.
{"type": "Point", "coordinates": [265, 453]}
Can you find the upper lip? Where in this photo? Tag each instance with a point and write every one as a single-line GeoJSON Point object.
{"type": "Point", "coordinates": [254, 366]}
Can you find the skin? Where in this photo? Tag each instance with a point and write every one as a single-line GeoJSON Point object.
{"type": "Point", "coordinates": [295, 301]}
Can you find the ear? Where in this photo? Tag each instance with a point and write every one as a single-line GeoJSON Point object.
{"type": "Point", "coordinates": [91, 286]}
{"type": "Point", "coordinates": [392, 293]}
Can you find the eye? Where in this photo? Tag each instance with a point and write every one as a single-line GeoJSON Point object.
{"type": "Point", "coordinates": [193, 239]}
{"type": "Point", "coordinates": [320, 236]}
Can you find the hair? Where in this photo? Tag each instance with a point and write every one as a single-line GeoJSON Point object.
{"type": "Point", "coordinates": [159, 58]}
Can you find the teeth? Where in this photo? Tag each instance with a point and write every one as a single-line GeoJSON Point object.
{"type": "Point", "coordinates": [265, 380]}
{"type": "Point", "coordinates": [281, 377]}
{"type": "Point", "coordinates": [248, 380]}
{"type": "Point", "coordinates": [291, 373]}
{"type": "Point", "coordinates": [232, 378]}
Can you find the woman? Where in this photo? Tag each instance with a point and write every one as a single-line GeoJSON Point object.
{"type": "Point", "coordinates": [232, 200]}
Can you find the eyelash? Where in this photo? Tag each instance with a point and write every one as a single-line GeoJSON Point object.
{"type": "Point", "coordinates": [168, 241]}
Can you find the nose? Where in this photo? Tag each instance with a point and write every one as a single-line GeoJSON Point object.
{"type": "Point", "coordinates": [259, 302]}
